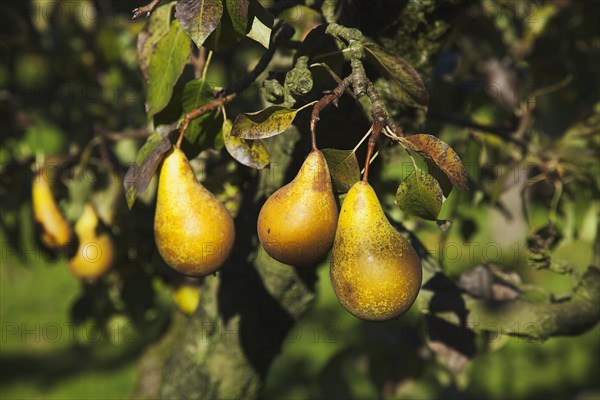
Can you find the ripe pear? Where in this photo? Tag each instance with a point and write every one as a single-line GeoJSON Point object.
{"type": "Point", "coordinates": [296, 225]}
{"type": "Point", "coordinates": [56, 231]}
{"type": "Point", "coordinates": [95, 253]}
{"type": "Point", "coordinates": [375, 272]}
{"type": "Point", "coordinates": [194, 232]}
{"type": "Point", "coordinates": [187, 298]}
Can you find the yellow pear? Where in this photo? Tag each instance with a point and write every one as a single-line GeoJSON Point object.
{"type": "Point", "coordinates": [56, 231]}
{"type": "Point", "coordinates": [187, 298]}
{"type": "Point", "coordinates": [194, 232]}
{"type": "Point", "coordinates": [95, 253]}
{"type": "Point", "coordinates": [296, 225]}
{"type": "Point", "coordinates": [375, 272]}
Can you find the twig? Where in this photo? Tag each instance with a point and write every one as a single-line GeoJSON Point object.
{"type": "Point", "coordinates": [200, 111]}
{"type": "Point", "coordinates": [147, 9]}
{"type": "Point", "coordinates": [281, 32]}
{"type": "Point", "coordinates": [378, 125]}
{"type": "Point", "coordinates": [391, 124]}
{"type": "Point", "coordinates": [332, 97]}
{"type": "Point", "coordinates": [363, 86]}
{"type": "Point", "coordinates": [518, 317]}
{"type": "Point", "coordinates": [102, 138]}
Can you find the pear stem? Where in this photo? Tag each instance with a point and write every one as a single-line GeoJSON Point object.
{"type": "Point", "coordinates": [332, 97]}
{"type": "Point", "coordinates": [374, 156]}
{"type": "Point", "coordinates": [378, 125]}
{"type": "Point", "coordinates": [365, 176]}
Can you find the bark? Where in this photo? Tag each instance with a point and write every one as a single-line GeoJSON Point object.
{"type": "Point", "coordinates": [442, 299]}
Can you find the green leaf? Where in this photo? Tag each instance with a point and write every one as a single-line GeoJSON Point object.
{"type": "Point", "coordinates": [252, 153]}
{"type": "Point", "coordinates": [420, 195]}
{"type": "Point", "coordinates": [156, 28]}
{"type": "Point", "coordinates": [166, 66]}
{"type": "Point", "coordinates": [260, 23]}
{"type": "Point", "coordinates": [442, 155]}
{"type": "Point", "coordinates": [199, 18]}
{"type": "Point", "coordinates": [202, 131]}
{"type": "Point", "coordinates": [406, 85]}
{"type": "Point", "coordinates": [263, 124]}
{"type": "Point", "coordinates": [196, 93]}
{"type": "Point", "coordinates": [343, 168]}
{"type": "Point", "coordinates": [246, 18]}
{"type": "Point", "coordinates": [146, 161]}
{"type": "Point", "coordinates": [208, 135]}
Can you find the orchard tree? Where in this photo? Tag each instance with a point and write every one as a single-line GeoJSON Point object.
{"type": "Point", "coordinates": [289, 134]}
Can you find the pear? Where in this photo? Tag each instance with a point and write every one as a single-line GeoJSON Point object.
{"type": "Point", "coordinates": [56, 231]}
{"type": "Point", "coordinates": [187, 298]}
{"type": "Point", "coordinates": [95, 253]}
{"type": "Point", "coordinates": [296, 225]}
{"type": "Point", "coordinates": [193, 230]}
{"type": "Point", "coordinates": [375, 272]}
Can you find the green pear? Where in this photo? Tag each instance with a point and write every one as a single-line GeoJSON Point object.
{"type": "Point", "coordinates": [296, 225]}
{"type": "Point", "coordinates": [375, 272]}
{"type": "Point", "coordinates": [193, 230]}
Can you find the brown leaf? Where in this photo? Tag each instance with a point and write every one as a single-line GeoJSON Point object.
{"type": "Point", "coordinates": [442, 155]}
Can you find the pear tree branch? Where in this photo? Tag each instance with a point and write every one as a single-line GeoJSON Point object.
{"type": "Point", "coordinates": [517, 317]}
{"type": "Point", "coordinates": [147, 9]}
{"type": "Point", "coordinates": [442, 299]}
{"type": "Point", "coordinates": [362, 86]}
{"type": "Point", "coordinates": [281, 32]}
{"type": "Point", "coordinates": [330, 98]}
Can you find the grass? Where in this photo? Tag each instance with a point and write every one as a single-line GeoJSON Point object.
{"type": "Point", "coordinates": [41, 354]}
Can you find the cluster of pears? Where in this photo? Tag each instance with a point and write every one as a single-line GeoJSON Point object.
{"type": "Point", "coordinates": [375, 272]}
{"type": "Point", "coordinates": [95, 252]}
{"type": "Point", "coordinates": [193, 230]}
